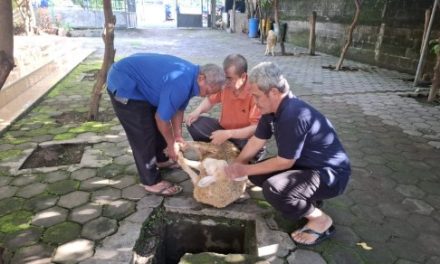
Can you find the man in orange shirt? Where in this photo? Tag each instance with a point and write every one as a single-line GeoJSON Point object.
{"type": "Point", "coordinates": [239, 115]}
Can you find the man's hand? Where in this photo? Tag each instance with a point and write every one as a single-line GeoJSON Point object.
{"type": "Point", "coordinates": [220, 136]}
{"type": "Point", "coordinates": [193, 116]}
{"type": "Point", "coordinates": [171, 151]}
{"type": "Point", "coordinates": [180, 142]}
{"type": "Point", "coordinates": [236, 170]}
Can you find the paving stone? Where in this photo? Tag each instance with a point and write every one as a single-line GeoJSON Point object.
{"type": "Point", "coordinates": [85, 213]}
{"type": "Point", "coordinates": [39, 254]}
{"type": "Point", "coordinates": [339, 254]}
{"type": "Point", "coordinates": [10, 204]}
{"type": "Point", "coordinates": [374, 252]}
{"type": "Point", "coordinates": [175, 176]}
{"type": "Point", "coordinates": [410, 191]}
{"type": "Point", "coordinates": [124, 160]}
{"type": "Point", "coordinates": [393, 210]}
{"type": "Point", "coordinates": [24, 180]}
{"type": "Point", "coordinates": [123, 182]}
{"type": "Point", "coordinates": [41, 202]}
{"type": "Point", "coordinates": [83, 174]}
{"type": "Point", "coordinates": [424, 223]}
{"type": "Point", "coordinates": [417, 206]}
{"type": "Point", "coordinates": [7, 191]}
{"type": "Point", "coordinates": [399, 227]}
{"type": "Point", "coordinates": [74, 199]}
{"type": "Point", "coordinates": [372, 233]}
{"type": "Point", "coordinates": [50, 217]}
{"type": "Point", "coordinates": [125, 237]}
{"type": "Point", "coordinates": [106, 195]}
{"type": "Point", "coordinates": [63, 187]}
{"type": "Point", "coordinates": [94, 183]}
{"type": "Point", "coordinates": [23, 238]}
{"type": "Point", "coordinates": [433, 260]}
{"type": "Point", "coordinates": [305, 256]}
{"type": "Point", "coordinates": [55, 176]}
{"type": "Point", "coordinates": [405, 249]}
{"type": "Point", "coordinates": [149, 201]}
{"type": "Point", "coordinates": [367, 213]}
{"type": "Point", "coordinates": [74, 251]}
{"type": "Point", "coordinates": [31, 190]}
{"type": "Point", "coordinates": [430, 187]}
{"type": "Point", "coordinates": [118, 209]}
{"type": "Point", "coordinates": [4, 180]}
{"type": "Point", "coordinates": [99, 228]}
{"type": "Point", "coordinates": [140, 216]}
{"type": "Point", "coordinates": [111, 171]}
{"type": "Point", "coordinates": [134, 192]}
{"type": "Point", "coordinates": [346, 235]}
{"type": "Point", "coordinates": [131, 169]}
{"type": "Point", "coordinates": [61, 233]}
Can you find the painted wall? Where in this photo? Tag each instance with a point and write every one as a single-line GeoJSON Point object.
{"type": "Point", "coordinates": [389, 33]}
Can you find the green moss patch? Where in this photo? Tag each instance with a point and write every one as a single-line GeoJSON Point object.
{"type": "Point", "coordinates": [65, 136]}
{"type": "Point", "coordinates": [61, 233]}
{"type": "Point", "coordinates": [91, 127]}
{"type": "Point", "coordinates": [16, 221]}
{"type": "Point", "coordinates": [12, 153]}
{"type": "Point", "coordinates": [63, 187]}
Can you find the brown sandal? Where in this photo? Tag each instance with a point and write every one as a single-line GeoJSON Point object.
{"type": "Point", "coordinates": [163, 192]}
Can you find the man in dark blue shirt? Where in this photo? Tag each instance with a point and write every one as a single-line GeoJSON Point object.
{"type": "Point", "coordinates": [311, 164]}
{"type": "Point", "coordinates": [149, 93]}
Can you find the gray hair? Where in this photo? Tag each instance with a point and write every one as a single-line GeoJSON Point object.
{"type": "Point", "coordinates": [238, 61]}
{"type": "Point", "coordinates": [214, 74]}
{"type": "Point", "coordinates": [267, 75]}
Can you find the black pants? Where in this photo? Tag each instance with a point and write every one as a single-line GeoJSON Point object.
{"type": "Point", "coordinates": [293, 192]}
{"type": "Point", "coordinates": [146, 141]}
{"type": "Point", "coordinates": [202, 128]}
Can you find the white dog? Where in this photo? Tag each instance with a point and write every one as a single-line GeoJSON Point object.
{"type": "Point", "coordinates": [271, 42]}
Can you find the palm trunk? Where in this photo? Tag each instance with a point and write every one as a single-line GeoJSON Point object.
{"type": "Point", "coordinates": [109, 57]}
{"type": "Point", "coordinates": [6, 41]}
{"type": "Point", "coordinates": [350, 34]}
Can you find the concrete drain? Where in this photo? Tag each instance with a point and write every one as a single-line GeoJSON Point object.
{"type": "Point", "coordinates": [54, 155]}
{"type": "Point", "coordinates": [166, 237]}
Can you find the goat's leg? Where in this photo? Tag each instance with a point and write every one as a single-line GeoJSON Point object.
{"type": "Point", "coordinates": [186, 165]}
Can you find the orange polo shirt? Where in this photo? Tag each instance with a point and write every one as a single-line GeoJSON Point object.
{"type": "Point", "coordinates": [237, 111]}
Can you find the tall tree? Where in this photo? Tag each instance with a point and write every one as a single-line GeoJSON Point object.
{"type": "Point", "coordinates": [27, 14]}
{"type": "Point", "coordinates": [6, 41]}
{"type": "Point", "coordinates": [213, 13]}
{"type": "Point", "coordinates": [109, 57]}
{"type": "Point", "coordinates": [276, 16]}
{"type": "Point", "coordinates": [349, 39]}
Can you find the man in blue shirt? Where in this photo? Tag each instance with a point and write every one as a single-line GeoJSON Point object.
{"type": "Point", "coordinates": [311, 164]}
{"type": "Point", "coordinates": [149, 93]}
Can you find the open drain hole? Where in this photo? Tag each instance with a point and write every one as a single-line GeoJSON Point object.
{"type": "Point", "coordinates": [55, 155]}
{"type": "Point", "coordinates": [166, 237]}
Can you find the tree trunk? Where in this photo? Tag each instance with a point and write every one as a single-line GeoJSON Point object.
{"type": "Point", "coordinates": [6, 41]}
{"type": "Point", "coordinates": [233, 17]}
{"type": "Point", "coordinates": [276, 16]}
{"type": "Point", "coordinates": [109, 57]}
{"type": "Point", "coordinates": [350, 34]}
{"type": "Point", "coordinates": [213, 14]}
{"type": "Point", "coordinates": [312, 36]}
{"type": "Point", "coordinates": [435, 82]}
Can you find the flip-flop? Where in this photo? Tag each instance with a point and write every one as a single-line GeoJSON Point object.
{"type": "Point", "coordinates": [319, 236]}
{"type": "Point", "coordinates": [162, 192]}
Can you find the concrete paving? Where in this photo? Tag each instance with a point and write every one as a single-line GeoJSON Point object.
{"type": "Point", "coordinates": [92, 212]}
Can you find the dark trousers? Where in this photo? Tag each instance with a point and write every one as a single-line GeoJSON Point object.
{"type": "Point", "coordinates": [146, 141]}
{"type": "Point", "coordinates": [202, 128]}
{"type": "Point", "coordinates": [294, 192]}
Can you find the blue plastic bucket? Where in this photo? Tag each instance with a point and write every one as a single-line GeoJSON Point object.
{"type": "Point", "coordinates": [253, 27]}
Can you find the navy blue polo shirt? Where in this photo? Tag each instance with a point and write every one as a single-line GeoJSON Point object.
{"type": "Point", "coordinates": [307, 136]}
{"type": "Point", "coordinates": [166, 82]}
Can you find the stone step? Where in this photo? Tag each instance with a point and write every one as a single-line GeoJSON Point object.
{"type": "Point", "coordinates": [20, 95]}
